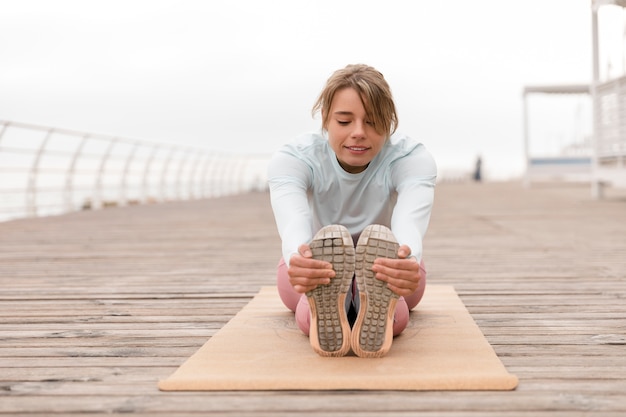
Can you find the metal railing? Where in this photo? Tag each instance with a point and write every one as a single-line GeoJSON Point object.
{"type": "Point", "coordinates": [46, 171]}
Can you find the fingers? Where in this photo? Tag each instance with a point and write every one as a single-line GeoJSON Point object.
{"type": "Point", "coordinates": [305, 250]}
{"type": "Point", "coordinates": [306, 273]}
{"type": "Point", "coordinates": [303, 283]}
{"type": "Point", "coordinates": [310, 267]}
{"type": "Point", "coordinates": [404, 251]}
{"type": "Point", "coordinates": [401, 275]}
{"type": "Point", "coordinates": [301, 289]}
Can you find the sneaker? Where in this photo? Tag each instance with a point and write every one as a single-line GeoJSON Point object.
{"type": "Point", "coordinates": [372, 333]}
{"type": "Point", "coordinates": [330, 331]}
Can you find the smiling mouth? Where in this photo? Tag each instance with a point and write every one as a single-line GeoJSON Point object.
{"type": "Point", "coordinates": [357, 148]}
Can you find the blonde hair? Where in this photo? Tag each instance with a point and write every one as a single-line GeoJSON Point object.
{"type": "Point", "coordinates": [374, 91]}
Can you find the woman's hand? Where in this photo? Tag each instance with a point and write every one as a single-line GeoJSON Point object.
{"type": "Point", "coordinates": [306, 273]}
{"type": "Point", "coordinates": [402, 275]}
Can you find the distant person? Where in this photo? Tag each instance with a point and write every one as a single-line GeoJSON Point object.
{"type": "Point", "coordinates": [477, 169]}
{"type": "Point", "coordinates": [355, 180]}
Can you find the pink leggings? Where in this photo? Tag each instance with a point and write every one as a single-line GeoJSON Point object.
{"type": "Point", "coordinates": [299, 304]}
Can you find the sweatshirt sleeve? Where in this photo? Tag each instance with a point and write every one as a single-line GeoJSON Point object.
{"type": "Point", "coordinates": [289, 178]}
{"type": "Point", "coordinates": [414, 178]}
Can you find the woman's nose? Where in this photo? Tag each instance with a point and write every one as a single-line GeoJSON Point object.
{"type": "Point", "coordinates": [359, 130]}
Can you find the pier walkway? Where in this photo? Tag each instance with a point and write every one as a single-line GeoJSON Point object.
{"type": "Point", "coordinates": [97, 306]}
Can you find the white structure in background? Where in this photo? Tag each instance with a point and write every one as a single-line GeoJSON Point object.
{"type": "Point", "coordinates": [571, 161]}
{"type": "Point", "coordinates": [608, 90]}
{"type": "Point", "coordinates": [46, 171]}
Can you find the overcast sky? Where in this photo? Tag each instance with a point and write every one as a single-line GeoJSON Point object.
{"type": "Point", "coordinates": [243, 75]}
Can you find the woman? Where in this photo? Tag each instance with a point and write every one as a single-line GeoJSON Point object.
{"type": "Point", "coordinates": [355, 181]}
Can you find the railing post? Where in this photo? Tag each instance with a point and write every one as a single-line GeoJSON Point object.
{"type": "Point", "coordinates": [231, 179]}
{"type": "Point", "coordinates": [205, 186]}
{"type": "Point", "coordinates": [179, 173]}
{"type": "Point", "coordinates": [97, 193]}
{"type": "Point", "coordinates": [218, 177]}
{"type": "Point", "coordinates": [145, 186]}
{"type": "Point", "coordinates": [164, 173]}
{"type": "Point", "coordinates": [123, 198]}
{"type": "Point", "coordinates": [192, 188]}
{"type": "Point", "coordinates": [68, 192]}
{"type": "Point", "coordinates": [31, 191]}
{"type": "Point", "coordinates": [243, 165]}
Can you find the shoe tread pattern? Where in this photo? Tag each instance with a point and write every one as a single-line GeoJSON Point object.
{"type": "Point", "coordinates": [332, 244]}
{"type": "Point", "coordinates": [378, 242]}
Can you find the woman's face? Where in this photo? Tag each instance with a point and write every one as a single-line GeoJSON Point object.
{"type": "Point", "coordinates": [351, 134]}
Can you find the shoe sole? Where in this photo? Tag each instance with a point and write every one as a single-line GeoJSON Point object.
{"type": "Point", "coordinates": [329, 333]}
{"type": "Point", "coordinates": [372, 333]}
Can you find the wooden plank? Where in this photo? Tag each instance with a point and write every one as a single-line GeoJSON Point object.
{"type": "Point", "coordinates": [298, 402]}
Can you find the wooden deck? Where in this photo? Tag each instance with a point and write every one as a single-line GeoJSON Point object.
{"type": "Point", "coordinates": [96, 307]}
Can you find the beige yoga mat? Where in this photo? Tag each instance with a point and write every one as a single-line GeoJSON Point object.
{"type": "Point", "coordinates": [261, 348]}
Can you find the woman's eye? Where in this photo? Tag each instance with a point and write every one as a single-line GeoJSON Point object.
{"type": "Point", "coordinates": [342, 122]}
{"type": "Point", "coordinates": [370, 123]}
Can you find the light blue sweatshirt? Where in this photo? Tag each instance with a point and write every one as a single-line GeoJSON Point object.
{"type": "Point", "coordinates": [309, 190]}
